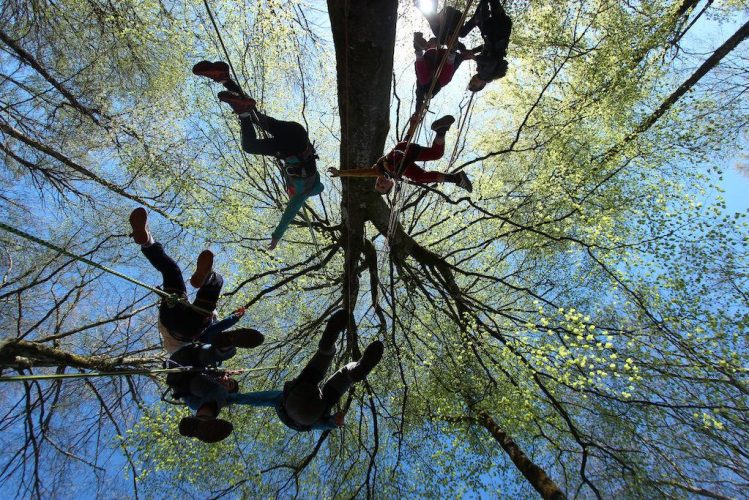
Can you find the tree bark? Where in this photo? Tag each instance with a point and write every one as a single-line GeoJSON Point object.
{"type": "Point", "coordinates": [364, 38]}
{"type": "Point", "coordinates": [535, 475]}
{"type": "Point", "coordinates": [25, 354]}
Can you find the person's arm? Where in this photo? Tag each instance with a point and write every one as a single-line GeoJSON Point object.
{"type": "Point", "coordinates": [357, 172]}
{"type": "Point", "coordinates": [258, 398]}
{"type": "Point", "coordinates": [225, 323]}
{"type": "Point", "coordinates": [292, 208]}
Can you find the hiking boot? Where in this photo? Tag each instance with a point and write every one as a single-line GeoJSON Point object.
{"type": "Point", "coordinates": [336, 324]}
{"type": "Point", "coordinates": [419, 42]}
{"type": "Point", "coordinates": [246, 338]}
{"type": "Point", "coordinates": [372, 355]}
{"type": "Point", "coordinates": [207, 429]}
{"type": "Point", "coordinates": [238, 102]}
{"type": "Point", "coordinates": [442, 125]}
{"type": "Point", "coordinates": [139, 223]}
{"type": "Point", "coordinates": [202, 269]}
{"type": "Point", "coordinates": [217, 71]}
{"type": "Point", "coordinates": [464, 182]}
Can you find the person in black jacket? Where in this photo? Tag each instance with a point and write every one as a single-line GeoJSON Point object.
{"type": "Point", "coordinates": [206, 389]}
{"type": "Point", "coordinates": [495, 26]}
{"type": "Point", "coordinates": [302, 405]}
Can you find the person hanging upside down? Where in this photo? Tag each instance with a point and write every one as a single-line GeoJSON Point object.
{"type": "Point", "coordinates": [387, 167]}
{"type": "Point", "coordinates": [302, 405]}
{"type": "Point", "coordinates": [289, 142]}
{"type": "Point", "coordinates": [428, 60]}
{"type": "Point", "coordinates": [180, 324]}
{"type": "Point", "coordinates": [495, 26]}
{"type": "Point", "coordinates": [206, 391]}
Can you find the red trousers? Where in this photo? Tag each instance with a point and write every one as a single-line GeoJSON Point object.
{"type": "Point", "coordinates": [427, 66]}
{"type": "Point", "coordinates": [418, 153]}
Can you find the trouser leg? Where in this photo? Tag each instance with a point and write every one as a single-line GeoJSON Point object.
{"type": "Point", "coordinates": [314, 371]}
{"type": "Point", "coordinates": [208, 294]}
{"type": "Point", "coordinates": [448, 70]}
{"type": "Point", "coordinates": [252, 144]}
{"type": "Point", "coordinates": [288, 138]}
{"type": "Point", "coordinates": [233, 86]}
{"type": "Point", "coordinates": [291, 137]}
{"type": "Point", "coordinates": [169, 269]}
{"type": "Point", "coordinates": [424, 71]}
{"type": "Point", "coordinates": [337, 385]}
{"type": "Point", "coordinates": [418, 174]}
{"type": "Point", "coordinates": [296, 202]}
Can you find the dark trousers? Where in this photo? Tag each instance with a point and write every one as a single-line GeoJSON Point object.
{"type": "Point", "coordinates": [183, 322]}
{"type": "Point", "coordinates": [495, 26]}
{"type": "Point", "coordinates": [445, 22]}
{"type": "Point", "coordinates": [288, 138]}
{"type": "Point", "coordinates": [314, 373]}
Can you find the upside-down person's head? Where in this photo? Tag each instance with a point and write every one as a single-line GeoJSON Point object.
{"type": "Point", "coordinates": [383, 185]}
{"type": "Point", "coordinates": [477, 83]}
{"type": "Point", "coordinates": [228, 383]}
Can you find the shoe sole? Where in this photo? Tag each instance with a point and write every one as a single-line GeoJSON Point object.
{"type": "Point", "coordinates": [214, 430]}
{"type": "Point", "coordinates": [188, 425]}
{"type": "Point", "coordinates": [203, 268]}
{"type": "Point", "coordinates": [445, 121]}
{"type": "Point", "coordinates": [244, 338]}
{"type": "Point", "coordinates": [210, 70]}
{"type": "Point", "coordinates": [139, 223]}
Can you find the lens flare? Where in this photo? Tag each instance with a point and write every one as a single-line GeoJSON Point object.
{"type": "Point", "coordinates": [426, 6]}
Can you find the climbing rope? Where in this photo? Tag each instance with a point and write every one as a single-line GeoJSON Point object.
{"type": "Point", "coordinates": [414, 127]}
{"type": "Point", "coordinates": [127, 373]}
{"type": "Point", "coordinates": [170, 298]}
{"type": "Point", "coordinates": [256, 119]}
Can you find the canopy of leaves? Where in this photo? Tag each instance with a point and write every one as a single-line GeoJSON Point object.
{"type": "Point", "coordinates": [587, 304]}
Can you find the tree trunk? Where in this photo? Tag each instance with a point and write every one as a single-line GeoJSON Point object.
{"type": "Point", "coordinates": [364, 38]}
{"type": "Point", "coordinates": [535, 475]}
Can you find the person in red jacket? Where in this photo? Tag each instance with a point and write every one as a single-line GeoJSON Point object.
{"type": "Point", "coordinates": [401, 162]}
{"type": "Point", "coordinates": [428, 60]}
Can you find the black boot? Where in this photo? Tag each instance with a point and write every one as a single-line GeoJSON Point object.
{"type": "Point", "coordinates": [372, 355]}
{"type": "Point", "coordinates": [241, 337]}
{"type": "Point", "coordinates": [461, 179]}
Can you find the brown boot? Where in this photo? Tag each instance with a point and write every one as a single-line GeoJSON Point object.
{"type": "Point", "coordinates": [203, 269]}
{"type": "Point", "coordinates": [139, 223]}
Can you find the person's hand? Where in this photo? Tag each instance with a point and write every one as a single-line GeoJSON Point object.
{"type": "Point", "coordinates": [334, 172]}
{"type": "Point", "coordinates": [273, 243]}
{"type": "Point", "coordinates": [240, 312]}
{"type": "Point", "coordinates": [339, 419]}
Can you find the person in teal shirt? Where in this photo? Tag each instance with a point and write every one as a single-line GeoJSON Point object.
{"type": "Point", "coordinates": [288, 141]}
{"type": "Point", "coordinates": [302, 405]}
